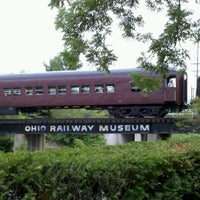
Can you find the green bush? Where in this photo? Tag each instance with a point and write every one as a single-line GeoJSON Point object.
{"type": "Point", "coordinates": [6, 143]}
{"type": "Point", "coordinates": [74, 140]}
{"type": "Point", "coordinates": [147, 170]}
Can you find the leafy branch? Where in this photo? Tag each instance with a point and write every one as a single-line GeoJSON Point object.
{"type": "Point", "coordinates": [86, 25]}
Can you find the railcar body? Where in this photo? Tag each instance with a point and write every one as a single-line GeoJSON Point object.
{"type": "Point", "coordinates": [95, 90]}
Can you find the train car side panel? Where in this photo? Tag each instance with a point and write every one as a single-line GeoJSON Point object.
{"type": "Point", "coordinates": [122, 93]}
{"type": "Point", "coordinates": [114, 92]}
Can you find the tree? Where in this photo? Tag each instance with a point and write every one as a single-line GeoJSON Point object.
{"type": "Point", "coordinates": [87, 23]}
{"type": "Point", "coordinates": [55, 64]}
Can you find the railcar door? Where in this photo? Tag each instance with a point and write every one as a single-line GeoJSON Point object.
{"type": "Point", "coordinates": [170, 89]}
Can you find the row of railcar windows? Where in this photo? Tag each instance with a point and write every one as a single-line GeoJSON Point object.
{"type": "Point", "coordinates": [53, 90]}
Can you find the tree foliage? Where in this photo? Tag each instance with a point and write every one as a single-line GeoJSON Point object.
{"type": "Point", "coordinates": [55, 64]}
{"type": "Point", "coordinates": [79, 139]}
{"type": "Point", "coordinates": [142, 82]}
{"type": "Point", "coordinates": [167, 50]}
{"type": "Point", "coordinates": [6, 143]}
{"type": "Point", "coordinates": [195, 104]}
{"type": "Point", "coordinates": [86, 24]}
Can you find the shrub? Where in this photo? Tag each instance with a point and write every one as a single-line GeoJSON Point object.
{"type": "Point", "coordinates": [147, 170]}
{"type": "Point", "coordinates": [6, 143]}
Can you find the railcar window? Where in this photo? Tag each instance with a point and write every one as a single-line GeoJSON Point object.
{"type": "Point", "coordinates": [52, 90]}
{"type": "Point", "coordinates": [99, 88]}
{"type": "Point", "coordinates": [110, 88]}
{"type": "Point", "coordinates": [85, 89]}
{"type": "Point", "coordinates": [16, 91]}
{"type": "Point", "coordinates": [134, 88]}
{"type": "Point", "coordinates": [7, 91]}
{"type": "Point", "coordinates": [171, 82]}
{"type": "Point", "coordinates": [29, 91]}
{"type": "Point", "coordinates": [39, 90]}
{"type": "Point", "coordinates": [62, 89]}
{"type": "Point", "coordinates": [75, 89]}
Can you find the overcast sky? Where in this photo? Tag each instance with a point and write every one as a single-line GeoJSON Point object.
{"type": "Point", "coordinates": [28, 37]}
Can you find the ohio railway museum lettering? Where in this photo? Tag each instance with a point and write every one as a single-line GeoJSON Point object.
{"type": "Point", "coordinates": [88, 128]}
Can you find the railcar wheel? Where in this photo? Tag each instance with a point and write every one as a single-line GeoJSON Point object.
{"type": "Point", "coordinates": [163, 111]}
{"type": "Point", "coordinates": [137, 111]}
{"type": "Point", "coordinates": [120, 112]}
{"type": "Point", "coordinates": [145, 112]}
{"type": "Point", "coordinates": [125, 112]}
{"type": "Point", "coordinates": [113, 112]}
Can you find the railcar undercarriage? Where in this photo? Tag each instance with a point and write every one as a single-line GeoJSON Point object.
{"type": "Point", "coordinates": [8, 111]}
{"type": "Point", "coordinates": [114, 111]}
{"type": "Point", "coordinates": [138, 111]}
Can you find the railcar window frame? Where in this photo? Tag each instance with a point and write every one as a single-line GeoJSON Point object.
{"type": "Point", "coordinates": [99, 88]}
{"type": "Point", "coordinates": [52, 90]}
{"type": "Point", "coordinates": [110, 88]}
{"type": "Point", "coordinates": [39, 90]}
{"type": "Point", "coordinates": [7, 91]}
{"type": "Point", "coordinates": [62, 89]}
{"type": "Point", "coordinates": [134, 88]}
{"type": "Point", "coordinates": [29, 91]}
{"type": "Point", "coordinates": [85, 89]}
{"type": "Point", "coordinates": [16, 91]}
{"type": "Point", "coordinates": [75, 89]}
{"type": "Point", "coordinates": [170, 82]}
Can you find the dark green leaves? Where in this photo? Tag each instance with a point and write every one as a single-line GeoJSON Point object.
{"type": "Point", "coordinates": [86, 25]}
{"type": "Point", "coordinates": [145, 170]}
{"type": "Point", "coordinates": [168, 49]}
{"type": "Point", "coordinates": [144, 83]}
{"type": "Point", "coordinates": [64, 61]}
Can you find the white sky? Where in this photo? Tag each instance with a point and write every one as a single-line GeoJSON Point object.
{"type": "Point", "coordinates": [28, 37]}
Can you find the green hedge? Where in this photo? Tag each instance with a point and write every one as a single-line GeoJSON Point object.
{"type": "Point", "coordinates": [146, 170]}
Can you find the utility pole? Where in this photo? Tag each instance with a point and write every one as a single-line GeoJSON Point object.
{"type": "Point", "coordinates": [197, 72]}
{"type": "Point", "coordinates": [197, 59]}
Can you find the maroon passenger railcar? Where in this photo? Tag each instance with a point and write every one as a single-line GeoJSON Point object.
{"type": "Point", "coordinates": [93, 90]}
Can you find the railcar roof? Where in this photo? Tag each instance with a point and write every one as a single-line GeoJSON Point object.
{"type": "Point", "coordinates": [75, 73]}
